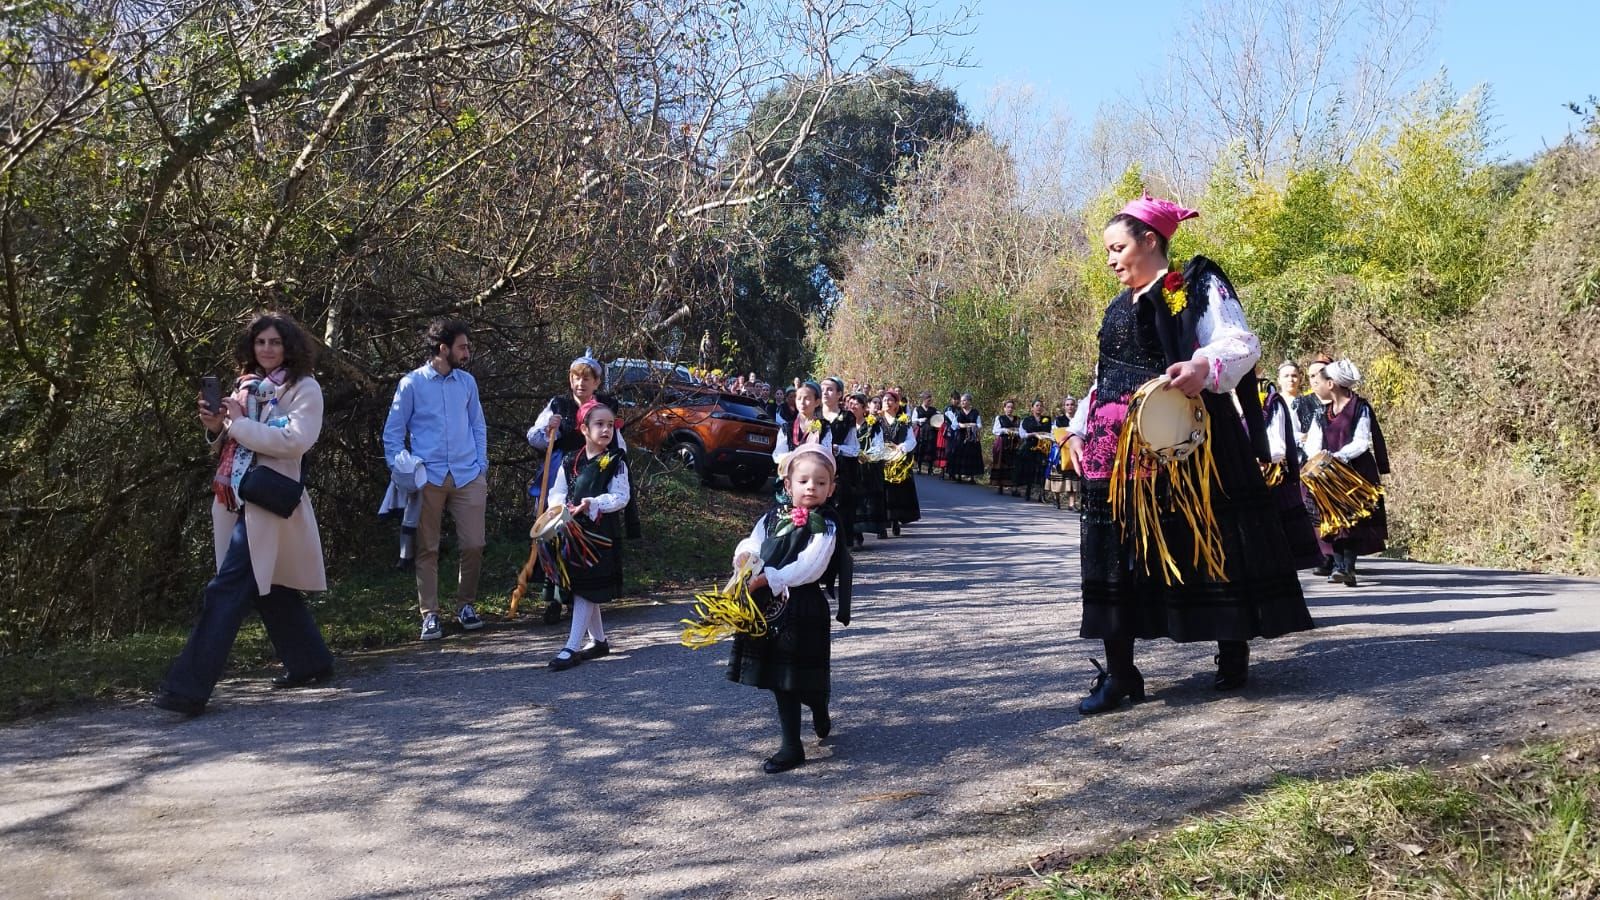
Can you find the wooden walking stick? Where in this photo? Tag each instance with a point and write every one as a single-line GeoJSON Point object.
{"type": "Point", "coordinates": [544, 503]}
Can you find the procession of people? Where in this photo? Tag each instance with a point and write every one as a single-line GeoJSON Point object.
{"type": "Point", "coordinates": [1186, 533]}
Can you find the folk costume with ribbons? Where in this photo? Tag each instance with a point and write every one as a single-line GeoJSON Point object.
{"type": "Point", "coordinates": [871, 515]}
{"type": "Point", "coordinates": [1283, 477]}
{"type": "Point", "coordinates": [1351, 436]}
{"type": "Point", "coordinates": [899, 486]}
{"type": "Point", "coordinates": [1034, 454]}
{"type": "Point", "coordinates": [806, 559]}
{"type": "Point", "coordinates": [1253, 591]}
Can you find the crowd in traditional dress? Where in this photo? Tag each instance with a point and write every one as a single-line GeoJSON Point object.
{"type": "Point", "coordinates": [844, 458]}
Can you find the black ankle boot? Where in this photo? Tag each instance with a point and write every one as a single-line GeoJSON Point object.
{"type": "Point", "coordinates": [1233, 665]}
{"type": "Point", "coordinates": [1109, 690]}
{"type": "Point", "coordinates": [784, 760]}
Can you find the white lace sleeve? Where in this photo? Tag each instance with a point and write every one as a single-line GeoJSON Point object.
{"type": "Point", "coordinates": [810, 565]}
{"type": "Point", "coordinates": [780, 447]}
{"type": "Point", "coordinates": [1226, 342]}
{"type": "Point", "coordinates": [613, 499]}
{"type": "Point", "coordinates": [1313, 444]}
{"type": "Point", "coordinates": [1275, 432]}
{"type": "Point", "coordinates": [752, 544]}
{"type": "Point", "coordinates": [1360, 442]}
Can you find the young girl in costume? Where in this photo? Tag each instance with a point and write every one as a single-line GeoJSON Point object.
{"type": "Point", "coordinates": [846, 451]}
{"type": "Point", "coordinates": [900, 499]}
{"type": "Point", "coordinates": [806, 426]}
{"type": "Point", "coordinates": [593, 483]}
{"type": "Point", "coordinates": [584, 377]}
{"type": "Point", "coordinates": [796, 549]}
{"type": "Point", "coordinates": [870, 499]}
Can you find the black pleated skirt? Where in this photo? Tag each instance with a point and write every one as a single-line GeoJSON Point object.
{"type": "Point", "coordinates": [1260, 598]}
{"type": "Point", "coordinates": [797, 658]}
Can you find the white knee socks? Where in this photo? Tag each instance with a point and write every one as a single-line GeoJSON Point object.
{"type": "Point", "coordinates": [585, 618]}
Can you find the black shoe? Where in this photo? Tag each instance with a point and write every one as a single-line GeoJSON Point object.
{"type": "Point", "coordinates": [883, 534]}
{"type": "Point", "coordinates": [1321, 572]}
{"type": "Point", "coordinates": [783, 761]}
{"type": "Point", "coordinates": [897, 529]}
{"type": "Point", "coordinates": [595, 650]}
{"type": "Point", "coordinates": [183, 706]}
{"type": "Point", "coordinates": [1108, 691]}
{"type": "Point", "coordinates": [1233, 668]}
{"type": "Point", "coordinates": [566, 659]}
{"type": "Point", "coordinates": [552, 612]}
{"type": "Point", "coordinates": [287, 680]}
{"type": "Point", "coordinates": [1349, 579]}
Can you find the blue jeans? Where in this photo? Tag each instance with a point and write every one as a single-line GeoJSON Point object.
{"type": "Point", "coordinates": [228, 599]}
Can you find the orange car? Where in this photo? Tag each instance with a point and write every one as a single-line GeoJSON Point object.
{"type": "Point", "coordinates": [711, 432]}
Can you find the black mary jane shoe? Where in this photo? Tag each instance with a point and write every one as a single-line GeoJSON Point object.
{"type": "Point", "coordinates": [1108, 691]}
{"type": "Point", "coordinates": [1233, 669]}
{"type": "Point", "coordinates": [564, 662]}
{"type": "Point", "coordinates": [287, 681]}
{"type": "Point", "coordinates": [181, 705]}
{"type": "Point", "coordinates": [783, 762]}
{"type": "Point", "coordinates": [596, 650]}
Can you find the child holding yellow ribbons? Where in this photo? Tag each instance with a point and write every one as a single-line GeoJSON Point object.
{"type": "Point", "coordinates": [795, 550]}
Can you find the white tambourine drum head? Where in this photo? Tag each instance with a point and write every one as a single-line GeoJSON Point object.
{"type": "Point", "coordinates": [936, 420]}
{"type": "Point", "coordinates": [549, 523]}
{"type": "Point", "coordinates": [1170, 423]}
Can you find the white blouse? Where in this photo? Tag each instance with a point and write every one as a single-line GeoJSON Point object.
{"type": "Point", "coordinates": [1227, 345]}
{"type": "Point", "coordinates": [1360, 442]}
{"type": "Point", "coordinates": [614, 499]}
{"type": "Point", "coordinates": [808, 567]}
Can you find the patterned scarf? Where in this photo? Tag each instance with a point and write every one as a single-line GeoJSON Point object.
{"type": "Point", "coordinates": [259, 397]}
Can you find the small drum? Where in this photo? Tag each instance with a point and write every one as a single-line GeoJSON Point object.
{"type": "Point", "coordinates": [896, 464]}
{"type": "Point", "coordinates": [936, 420]}
{"type": "Point", "coordinates": [1341, 495]}
{"type": "Point", "coordinates": [551, 523]}
{"type": "Point", "coordinates": [1170, 426]}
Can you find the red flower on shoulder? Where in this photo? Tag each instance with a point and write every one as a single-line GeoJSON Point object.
{"type": "Point", "coordinates": [1173, 281]}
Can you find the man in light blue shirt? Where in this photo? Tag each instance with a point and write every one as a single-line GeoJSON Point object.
{"type": "Point", "coordinates": [437, 416]}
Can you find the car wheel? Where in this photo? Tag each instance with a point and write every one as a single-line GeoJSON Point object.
{"type": "Point", "coordinates": [748, 481]}
{"type": "Point", "coordinates": [689, 455]}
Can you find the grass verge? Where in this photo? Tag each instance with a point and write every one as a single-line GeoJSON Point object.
{"type": "Point", "coordinates": [1522, 825]}
{"type": "Point", "coordinates": [689, 534]}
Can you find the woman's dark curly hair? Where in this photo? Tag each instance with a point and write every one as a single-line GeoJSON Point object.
{"type": "Point", "coordinates": [298, 355]}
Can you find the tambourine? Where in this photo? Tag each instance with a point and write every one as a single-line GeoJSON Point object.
{"type": "Point", "coordinates": [1170, 425]}
{"type": "Point", "coordinates": [551, 523]}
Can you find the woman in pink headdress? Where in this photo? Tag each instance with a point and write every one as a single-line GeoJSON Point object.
{"type": "Point", "coordinates": [1186, 324]}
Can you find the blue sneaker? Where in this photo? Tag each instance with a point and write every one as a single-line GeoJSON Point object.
{"type": "Point", "coordinates": [468, 617]}
{"type": "Point", "coordinates": [430, 627]}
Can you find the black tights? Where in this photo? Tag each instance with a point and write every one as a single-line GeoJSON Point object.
{"type": "Point", "coordinates": [1119, 654]}
{"type": "Point", "coordinates": [789, 703]}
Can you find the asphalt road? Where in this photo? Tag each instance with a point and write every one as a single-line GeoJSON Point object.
{"type": "Point", "coordinates": [468, 769]}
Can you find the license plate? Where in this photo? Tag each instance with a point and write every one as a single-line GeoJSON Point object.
{"type": "Point", "coordinates": [761, 439]}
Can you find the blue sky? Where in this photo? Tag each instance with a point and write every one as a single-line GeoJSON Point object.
{"type": "Point", "coordinates": [1536, 55]}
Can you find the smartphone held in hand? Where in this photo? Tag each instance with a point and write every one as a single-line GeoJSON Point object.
{"type": "Point", "coordinates": [211, 392]}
